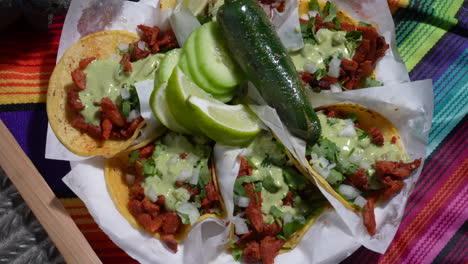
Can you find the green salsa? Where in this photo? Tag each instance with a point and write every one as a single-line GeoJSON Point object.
{"type": "Point", "coordinates": [329, 43]}
{"type": "Point", "coordinates": [104, 78]}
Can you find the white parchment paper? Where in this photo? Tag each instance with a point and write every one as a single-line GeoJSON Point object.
{"type": "Point", "coordinates": [87, 180]}
{"type": "Point", "coordinates": [409, 106]}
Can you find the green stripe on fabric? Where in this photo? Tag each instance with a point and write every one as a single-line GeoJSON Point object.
{"type": "Point", "coordinates": [428, 32]}
{"type": "Point", "coordinates": [454, 105]}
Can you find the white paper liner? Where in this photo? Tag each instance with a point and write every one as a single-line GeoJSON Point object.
{"type": "Point", "coordinates": [409, 106]}
{"type": "Point", "coordinates": [327, 241]}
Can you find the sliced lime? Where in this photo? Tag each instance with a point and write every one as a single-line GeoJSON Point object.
{"type": "Point", "coordinates": [196, 6]}
{"type": "Point", "coordinates": [226, 124]}
{"type": "Point", "coordinates": [160, 109]}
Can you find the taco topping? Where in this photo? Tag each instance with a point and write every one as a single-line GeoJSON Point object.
{"type": "Point", "coordinates": [104, 101]}
{"type": "Point", "coordinates": [360, 165]}
{"type": "Point", "coordinates": [170, 189]}
{"type": "Point", "coordinates": [337, 54]}
{"type": "Point", "coordinates": [273, 201]}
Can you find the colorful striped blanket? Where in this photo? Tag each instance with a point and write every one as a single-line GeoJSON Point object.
{"type": "Point", "coordinates": [432, 37]}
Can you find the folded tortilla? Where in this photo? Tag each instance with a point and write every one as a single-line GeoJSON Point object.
{"type": "Point", "coordinates": [100, 45]}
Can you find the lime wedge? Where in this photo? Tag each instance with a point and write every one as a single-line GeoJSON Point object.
{"type": "Point", "coordinates": [226, 124]}
{"type": "Point", "coordinates": [160, 109]}
{"type": "Point", "coordinates": [178, 90]}
{"type": "Point", "coordinates": [196, 6]}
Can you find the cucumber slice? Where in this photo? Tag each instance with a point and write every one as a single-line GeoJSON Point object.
{"type": "Point", "coordinates": [214, 60]}
{"type": "Point", "coordinates": [161, 110]}
{"type": "Point", "coordinates": [196, 75]}
{"type": "Point", "coordinates": [167, 66]}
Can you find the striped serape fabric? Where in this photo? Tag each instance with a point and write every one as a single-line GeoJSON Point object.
{"type": "Point", "coordinates": [432, 36]}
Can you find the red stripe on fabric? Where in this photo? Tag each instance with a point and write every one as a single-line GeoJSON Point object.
{"type": "Point", "coordinates": [400, 245]}
{"type": "Point", "coordinates": [88, 226]}
{"type": "Point", "coordinates": [11, 84]}
{"type": "Point", "coordinates": [27, 69]}
{"type": "Point", "coordinates": [444, 225]}
{"type": "Point", "coordinates": [8, 57]}
{"type": "Point", "coordinates": [45, 62]}
{"type": "Point", "coordinates": [84, 216]}
{"type": "Point", "coordinates": [13, 93]}
{"type": "Point", "coordinates": [16, 76]}
{"type": "Point", "coordinates": [75, 207]}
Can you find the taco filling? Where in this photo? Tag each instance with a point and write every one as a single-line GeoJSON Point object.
{"type": "Point", "coordinates": [274, 203]}
{"type": "Point", "coordinates": [171, 185]}
{"type": "Point", "coordinates": [359, 164]}
{"type": "Point", "coordinates": [337, 54]}
{"type": "Point", "coordinates": [103, 102]}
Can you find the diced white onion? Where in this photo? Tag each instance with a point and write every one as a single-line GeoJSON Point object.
{"type": "Point", "coordinates": [184, 175]}
{"type": "Point", "coordinates": [130, 179]}
{"type": "Point", "coordinates": [331, 166]}
{"type": "Point", "coordinates": [192, 158]}
{"type": "Point", "coordinates": [323, 162]}
{"type": "Point", "coordinates": [314, 156]}
{"type": "Point", "coordinates": [195, 174]}
{"type": "Point", "coordinates": [190, 210]}
{"type": "Point", "coordinates": [334, 67]}
{"type": "Point", "coordinates": [123, 47]}
{"type": "Point", "coordinates": [243, 201]}
{"type": "Point", "coordinates": [173, 160]}
{"type": "Point", "coordinates": [360, 201]}
{"type": "Point", "coordinates": [125, 93]}
{"type": "Point", "coordinates": [313, 13]}
{"type": "Point", "coordinates": [133, 115]}
{"type": "Point", "coordinates": [305, 16]}
{"type": "Point", "coordinates": [152, 194]}
{"type": "Point", "coordinates": [324, 172]}
{"type": "Point", "coordinates": [349, 191]}
{"type": "Point", "coordinates": [364, 164]}
{"type": "Point", "coordinates": [141, 45]}
{"type": "Point", "coordinates": [349, 130]}
{"type": "Point", "coordinates": [335, 88]}
{"type": "Point", "coordinates": [240, 226]}
{"type": "Point", "coordinates": [310, 67]}
{"type": "Point", "coordinates": [355, 157]}
{"type": "Point", "coordinates": [300, 218]}
{"type": "Point", "coordinates": [287, 218]}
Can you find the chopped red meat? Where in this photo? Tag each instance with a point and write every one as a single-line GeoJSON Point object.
{"type": "Point", "coordinates": [147, 222]}
{"type": "Point", "coordinates": [377, 137]}
{"type": "Point", "coordinates": [106, 128]}
{"type": "Point", "coordinates": [150, 207]}
{"type": "Point", "coordinates": [85, 62]}
{"type": "Point", "coordinates": [127, 133]}
{"type": "Point", "coordinates": [171, 223]}
{"type": "Point", "coordinates": [288, 199]}
{"type": "Point", "coordinates": [394, 140]}
{"type": "Point", "coordinates": [137, 192]}
{"type": "Point", "coordinates": [161, 200]}
{"type": "Point", "coordinates": [79, 79]}
{"type": "Point", "coordinates": [245, 167]}
{"type": "Point", "coordinates": [369, 217]}
{"type": "Point", "coordinates": [156, 40]}
{"type": "Point", "coordinates": [74, 100]}
{"type": "Point", "coordinates": [392, 186]}
{"type": "Point", "coordinates": [138, 53]}
{"type": "Point", "coordinates": [125, 61]}
{"type": "Point", "coordinates": [398, 170]}
{"type": "Point", "coordinates": [110, 111]}
{"type": "Point", "coordinates": [183, 155]}
{"type": "Point", "coordinates": [359, 179]}
{"type": "Point", "coordinates": [347, 27]}
{"type": "Point", "coordinates": [146, 151]}
{"type": "Point", "coordinates": [269, 248]}
{"type": "Point", "coordinates": [251, 253]}
{"type": "Point", "coordinates": [253, 211]}
{"type": "Point", "coordinates": [271, 229]}
{"type": "Point", "coordinates": [211, 192]}
{"type": "Point", "coordinates": [170, 242]}
{"type": "Point", "coordinates": [135, 207]}
{"type": "Point", "coordinates": [349, 65]}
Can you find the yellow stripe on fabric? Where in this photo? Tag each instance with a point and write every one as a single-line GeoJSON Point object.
{"type": "Point", "coordinates": [425, 35]}
{"type": "Point", "coordinates": [25, 73]}
{"type": "Point", "coordinates": [78, 211]}
{"type": "Point", "coordinates": [38, 82]}
{"type": "Point", "coordinates": [23, 94]}
{"type": "Point", "coordinates": [72, 202]}
{"type": "Point", "coordinates": [83, 221]}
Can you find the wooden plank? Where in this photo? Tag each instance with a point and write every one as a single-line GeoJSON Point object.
{"type": "Point", "coordinates": [46, 207]}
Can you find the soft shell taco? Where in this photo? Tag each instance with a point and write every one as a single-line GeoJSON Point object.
{"type": "Point", "coordinates": [274, 203]}
{"type": "Point", "coordinates": [359, 158]}
{"type": "Point", "coordinates": [165, 186]}
{"type": "Point", "coordinates": [339, 53]}
{"type": "Point", "coordinates": [92, 105]}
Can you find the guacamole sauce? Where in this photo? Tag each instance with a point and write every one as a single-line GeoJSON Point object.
{"type": "Point", "coordinates": [170, 166]}
{"type": "Point", "coordinates": [329, 43]}
{"type": "Point", "coordinates": [104, 78]}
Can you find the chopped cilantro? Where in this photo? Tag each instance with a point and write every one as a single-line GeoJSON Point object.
{"type": "Point", "coordinates": [275, 212]}
{"type": "Point", "coordinates": [308, 32]}
{"type": "Point", "coordinates": [314, 6]}
{"type": "Point", "coordinates": [131, 103]}
{"type": "Point", "coordinates": [294, 179]}
{"type": "Point", "coordinates": [320, 73]}
{"type": "Point", "coordinates": [291, 227]}
{"type": "Point", "coordinates": [204, 176]}
{"type": "Point", "coordinates": [353, 39]}
{"type": "Point", "coordinates": [332, 121]}
{"type": "Point", "coordinates": [279, 236]}
{"type": "Point", "coordinates": [330, 9]}
{"type": "Point", "coordinates": [364, 24]}
{"type": "Point", "coordinates": [346, 167]}
{"type": "Point", "coordinates": [361, 134]}
{"type": "Point", "coordinates": [286, 248]}
{"type": "Point", "coordinates": [238, 185]}
{"type": "Point", "coordinates": [269, 184]}
{"type": "Point", "coordinates": [369, 82]}
{"type": "Point", "coordinates": [126, 108]}
{"type": "Point", "coordinates": [237, 254]}
{"type": "Point", "coordinates": [130, 48]}
{"type": "Point", "coordinates": [266, 162]}
{"type": "Point", "coordinates": [134, 156]}
{"type": "Point", "coordinates": [149, 167]}
{"type": "Point", "coordinates": [184, 218]}
{"type": "Point", "coordinates": [251, 163]}
{"type": "Point", "coordinates": [258, 187]}
{"type": "Point", "coordinates": [352, 116]}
